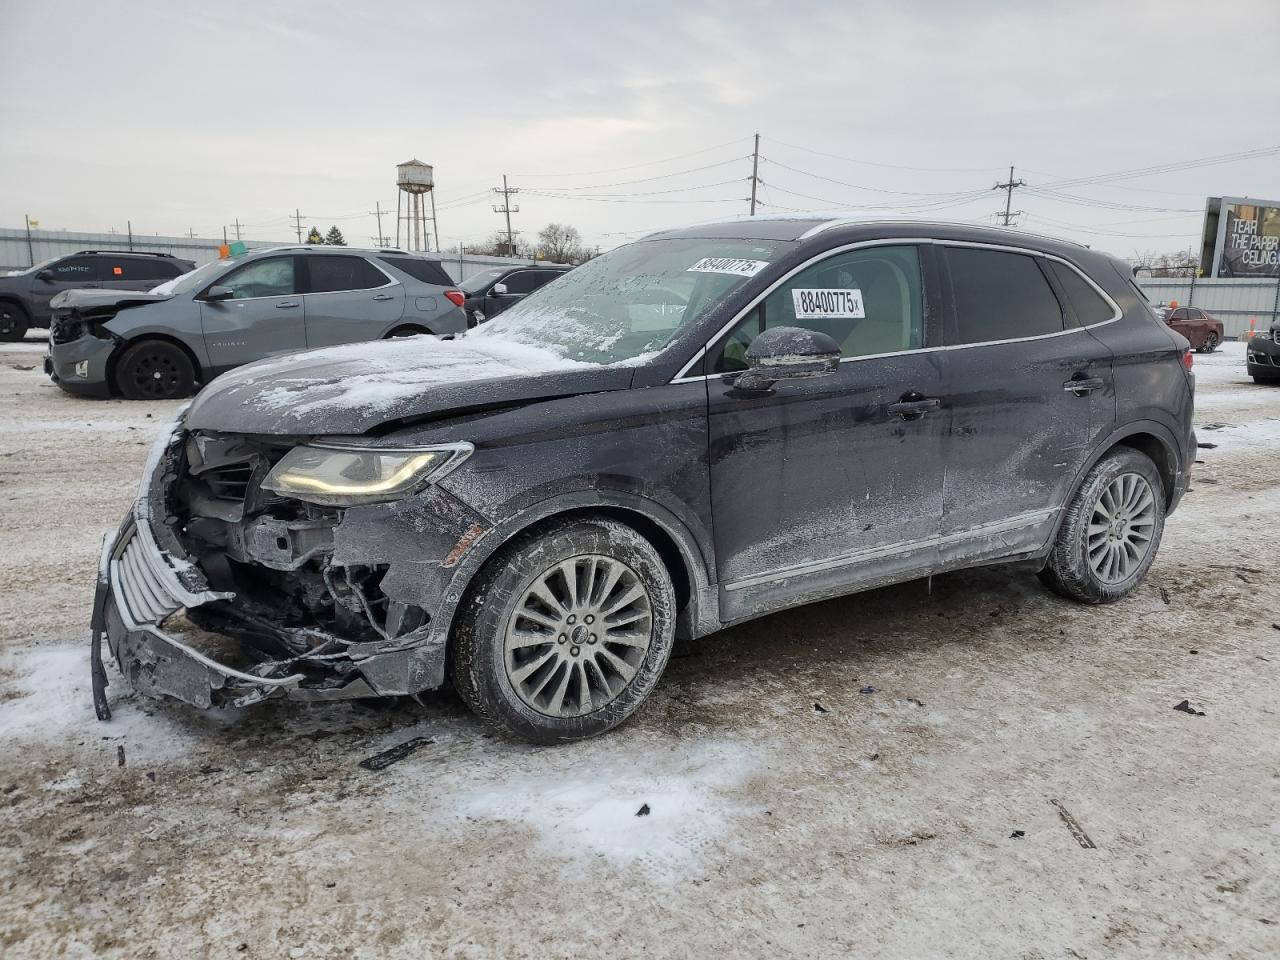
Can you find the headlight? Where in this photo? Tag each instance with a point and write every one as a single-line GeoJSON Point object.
{"type": "Point", "coordinates": [343, 476]}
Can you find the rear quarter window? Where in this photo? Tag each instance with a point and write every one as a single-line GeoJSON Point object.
{"type": "Point", "coordinates": [1089, 307]}
{"type": "Point", "coordinates": [426, 271]}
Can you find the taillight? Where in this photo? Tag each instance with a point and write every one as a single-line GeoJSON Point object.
{"type": "Point", "coordinates": [1187, 359]}
{"type": "Point", "coordinates": [456, 297]}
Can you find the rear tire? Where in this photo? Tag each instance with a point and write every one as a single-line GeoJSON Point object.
{"type": "Point", "coordinates": [565, 631]}
{"type": "Point", "coordinates": [154, 370]}
{"type": "Point", "coordinates": [14, 322]}
{"type": "Point", "coordinates": [1111, 531]}
{"type": "Point", "coordinates": [1210, 344]}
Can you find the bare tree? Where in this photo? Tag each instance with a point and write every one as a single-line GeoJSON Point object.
{"type": "Point", "coordinates": [496, 246]}
{"type": "Point", "coordinates": [1183, 263]}
{"type": "Point", "coordinates": [561, 243]}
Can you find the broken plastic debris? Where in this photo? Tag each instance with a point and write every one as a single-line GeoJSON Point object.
{"type": "Point", "coordinates": [1186, 707]}
{"type": "Point", "coordinates": [867, 690]}
{"type": "Point", "coordinates": [1207, 446]}
{"type": "Point", "coordinates": [380, 761]}
{"type": "Point", "coordinates": [643, 811]}
{"type": "Point", "coordinates": [1017, 835]}
{"type": "Point", "coordinates": [818, 708]}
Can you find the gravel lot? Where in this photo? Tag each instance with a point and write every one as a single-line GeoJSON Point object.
{"type": "Point", "coordinates": [793, 813]}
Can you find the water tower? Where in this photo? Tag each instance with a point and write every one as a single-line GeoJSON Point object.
{"type": "Point", "coordinates": [414, 182]}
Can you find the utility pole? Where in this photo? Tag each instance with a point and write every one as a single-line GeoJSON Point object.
{"type": "Point", "coordinates": [507, 209]}
{"type": "Point", "coordinates": [31, 255]}
{"type": "Point", "coordinates": [755, 167]}
{"type": "Point", "coordinates": [297, 222]}
{"type": "Point", "coordinates": [224, 235]}
{"type": "Point", "coordinates": [377, 212]}
{"type": "Point", "coordinates": [238, 225]}
{"type": "Point", "coordinates": [191, 233]}
{"type": "Point", "coordinates": [129, 224]}
{"type": "Point", "coordinates": [1009, 215]}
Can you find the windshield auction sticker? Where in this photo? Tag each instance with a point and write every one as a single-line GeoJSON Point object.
{"type": "Point", "coordinates": [731, 265]}
{"type": "Point", "coordinates": [816, 304]}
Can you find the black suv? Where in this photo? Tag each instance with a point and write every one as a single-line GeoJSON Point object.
{"type": "Point", "coordinates": [494, 290]}
{"type": "Point", "coordinates": [25, 294]}
{"type": "Point", "coordinates": [702, 427]}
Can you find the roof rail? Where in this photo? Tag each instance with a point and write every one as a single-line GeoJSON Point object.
{"type": "Point", "coordinates": [132, 253]}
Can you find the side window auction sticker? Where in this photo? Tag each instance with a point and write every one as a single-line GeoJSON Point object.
{"type": "Point", "coordinates": [816, 304]}
{"type": "Point", "coordinates": [731, 265]}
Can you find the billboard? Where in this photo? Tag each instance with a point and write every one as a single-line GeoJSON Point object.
{"type": "Point", "coordinates": [1241, 238]}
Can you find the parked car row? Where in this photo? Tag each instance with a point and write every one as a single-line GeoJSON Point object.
{"type": "Point", "coordinates": [25, 295]}
{"type": "Point", "coordinates": [162, 343]}
{"type": "Point", "coordinates": [699, 428]}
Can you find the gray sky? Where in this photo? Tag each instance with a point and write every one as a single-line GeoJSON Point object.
{"type": "Point", "coordinates": [182, 115]}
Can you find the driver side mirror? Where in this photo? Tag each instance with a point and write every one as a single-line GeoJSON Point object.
{"type": "Point", "coordinates": [45, 275]}
{"type": "Point", "coordinates": [216, 293]}
{"type": "Point", "coordinates": [499, 290]}
{"type": "Point", "coordinates": [787, 353]}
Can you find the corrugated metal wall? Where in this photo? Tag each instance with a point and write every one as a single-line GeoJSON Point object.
{"type": "Point", "coordinates": [1241, 305]}
{"type": "Point", "coordinates": [15, 254]}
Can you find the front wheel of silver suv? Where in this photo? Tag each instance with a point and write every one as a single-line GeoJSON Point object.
{"type": "Point", "coordinates": [1111, 531]}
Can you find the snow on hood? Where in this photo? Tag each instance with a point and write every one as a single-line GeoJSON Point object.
{"type": "Point", "coordinates": [353, 388]}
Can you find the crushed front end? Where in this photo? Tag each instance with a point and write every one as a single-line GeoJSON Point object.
{"type": "Point", "coordinates": [218, 590]}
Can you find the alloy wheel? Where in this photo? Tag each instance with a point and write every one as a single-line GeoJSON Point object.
{"type": "Point", "coordinates": [578, 636]}
{"type": "Point", "coordinates": [1121, 528]}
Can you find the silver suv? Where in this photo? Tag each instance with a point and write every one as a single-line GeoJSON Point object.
{"type": "Point", "coordinates": [160, 344]}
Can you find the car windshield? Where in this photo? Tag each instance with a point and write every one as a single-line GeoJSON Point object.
{"type": "Point", "coordinates": [31, 269]}
{"type": "Point", "coordinates": [628, 304]}
{"type": "Point", "coordinates": [192, 280]}
{"type": "Point", "coordinates": [481, 280]}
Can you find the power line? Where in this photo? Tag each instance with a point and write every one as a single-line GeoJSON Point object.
{"type": "Point", "coordinates": [1008, 189]}
{"type": "Point", "coordinates": [1171, 167]}
{"type": "Point", "coordinates": [872, 163]}
{"type": "Point", "coordinates": [633, 166]}
{"type": "Point", "coordinates": [859, 186]}
{"type": "Point", "coordinates": [663, 176]}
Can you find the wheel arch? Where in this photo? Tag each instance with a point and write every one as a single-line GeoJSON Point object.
{"type": "Point", "coordinates": [406, 329]}
{"type": "Point", "coordinates": [1149, 438]}
{"type": "Point", "coordinates": [675, 543]}
{"type": "Point", "coordinates": [125, 344]}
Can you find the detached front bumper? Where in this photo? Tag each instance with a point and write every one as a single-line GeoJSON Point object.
{"type": "Point", "coordinates": [1263, 358]}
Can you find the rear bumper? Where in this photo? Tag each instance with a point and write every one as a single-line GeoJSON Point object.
{"type": "Point", "coordinates": [1262, 359]}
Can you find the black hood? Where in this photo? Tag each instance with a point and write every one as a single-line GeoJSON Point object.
{"type": "Point", "coordinates": [357, 388]}
{"type": "Point", "coordinates": [84, 301]}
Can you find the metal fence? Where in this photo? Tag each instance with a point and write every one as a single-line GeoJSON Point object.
{"type": "Point", "coordinates": [1241, 305]}
{"type": "Point", "coordinates": [19, 250]}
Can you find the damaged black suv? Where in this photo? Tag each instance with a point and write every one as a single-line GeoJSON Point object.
{"type": "Point", "coordinates": [702, 427]}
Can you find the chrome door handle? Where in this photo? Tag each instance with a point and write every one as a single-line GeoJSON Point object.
{"type": "Point", "coordinates": [286, 305]}
{"type": "Point", "coordinates": [384, 296]}
{"type": "Point", "coordinates": [1083, 385]}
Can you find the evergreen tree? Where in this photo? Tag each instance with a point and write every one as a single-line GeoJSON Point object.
{"type": "Point", "coordinates": [334, 237]}
{"type": "Point", "coordinates": [314, 237]}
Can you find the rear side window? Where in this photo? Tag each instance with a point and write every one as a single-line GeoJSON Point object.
{"type": "Point", "coordinates": [1088, 306]}
{"type": "Point", "coordinates": [1001, 296]}
{"type": "Point", "coordinates": [427, 271]}
{"type": "Point", "coordinates": [1179, 314]}
{"type": "Point", "coordinates": [77, 270]}
{"type": "Point", "coordinates": [333, 274]}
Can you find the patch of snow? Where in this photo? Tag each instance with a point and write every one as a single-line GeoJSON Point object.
{"type": "Point", "coordinates": [687, 793]}
{"type": "Point", "coordinates": [1238, 436]}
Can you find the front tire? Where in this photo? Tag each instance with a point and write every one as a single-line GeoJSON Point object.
{"type": "Point", "coordinates": [1210, 344]}
{"type": "Point", "coordinates": [14, 321]}
{"type": "Point", "coordinates": [565, 632]}
{"type": "Point", "coordinates": [154, 370]}
{"type": "Point", "coordinates": [1111, 530]}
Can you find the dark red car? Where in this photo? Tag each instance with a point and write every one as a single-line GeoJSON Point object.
{"type": "Point", "coordinates": [1198, 326]}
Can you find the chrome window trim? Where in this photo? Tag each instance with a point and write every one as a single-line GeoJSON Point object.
{"type": "Point", "coordinates": [683, 375]}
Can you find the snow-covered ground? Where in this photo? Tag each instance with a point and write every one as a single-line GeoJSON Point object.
{"type": "Point", "coordinates": [790, 814]}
